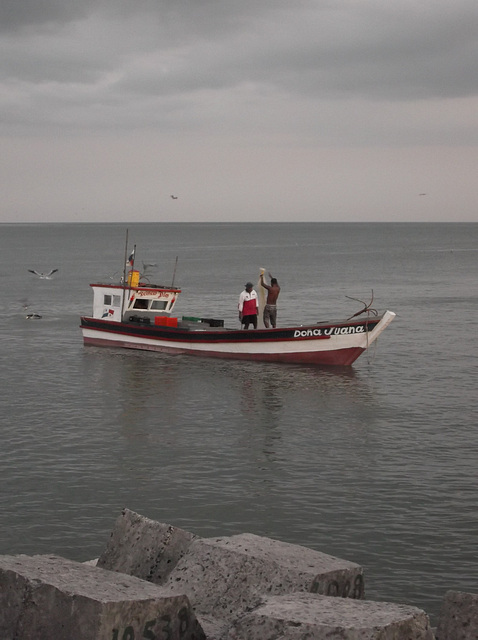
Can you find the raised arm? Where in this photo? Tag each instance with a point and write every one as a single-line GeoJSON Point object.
{"type": "Point", "coordinates": [266, 286]}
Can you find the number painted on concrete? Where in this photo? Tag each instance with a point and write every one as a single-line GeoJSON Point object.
{"type": "Point", "coordinates": [339, 589]}
{"type": "Point", "coordinates": [166, 628]}
{"type": "Point", "coordinates": [183, 617]}
{"type": "Point", "coordinates": [128, 634]}
{"type": "Point", "coordinates": [164, 625]}
{"type": "Point", "coordinates": [147, 633]}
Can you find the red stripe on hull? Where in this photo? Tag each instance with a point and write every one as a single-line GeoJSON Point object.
{"type": "Point", "coordinates": [339, 357]}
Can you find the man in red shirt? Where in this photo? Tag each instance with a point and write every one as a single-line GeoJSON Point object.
{"type": "Point", "coordinates": [248, 306]}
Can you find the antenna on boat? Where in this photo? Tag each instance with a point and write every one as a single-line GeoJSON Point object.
{"type": "Point", "coordinates": [174, 273]}
{"type": "Point", "coordinates": [125, 257]}
{"type": "Point", "coordinates": [124, 272]}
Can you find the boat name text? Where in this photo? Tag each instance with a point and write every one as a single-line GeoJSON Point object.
{"type": "Point", "coordinates": [329, 331]}
{"type": "Point", "coordinates": [153, 294]}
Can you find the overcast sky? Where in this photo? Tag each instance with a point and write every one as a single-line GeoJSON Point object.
{"type": "Point", "coordinates": [260, 110]}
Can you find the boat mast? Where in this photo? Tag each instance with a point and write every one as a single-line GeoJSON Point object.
{"type": "Point", "coordinates": [174, 272]}
{"type": "Point", "coordinates": [124, 273]}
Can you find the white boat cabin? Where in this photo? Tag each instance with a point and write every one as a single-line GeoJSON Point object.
{"type": "Point", "coordinates": [119, 302]}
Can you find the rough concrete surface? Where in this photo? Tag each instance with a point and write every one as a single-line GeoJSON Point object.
{"type": "Point", "coordinates": [46, 597]}
{"type": "Point", "coordinates": [458, 618]}
{"type": "Point", "coordinates": [144, 548]}
{"type": "Point", "coordinates": [156, 581]}
{"type": "Point", "coordinates": [305, 616]}
{"type": "Point", "coordinates": [225, 576]}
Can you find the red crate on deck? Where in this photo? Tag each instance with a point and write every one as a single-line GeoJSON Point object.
{"type": "Point", "coordinates": [165, 321]}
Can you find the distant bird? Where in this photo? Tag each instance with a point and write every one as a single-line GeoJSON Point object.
{"type": "Point", "coordinates": [33, 316]}
{"type": "Point", "coordinates": [422, 194]}
{"type": "Point", "coordinates": [174, 197]}
{"type": "Point", "coordinates": [43, 276]}
{"type": "Point", "coordinates": [147, 265]}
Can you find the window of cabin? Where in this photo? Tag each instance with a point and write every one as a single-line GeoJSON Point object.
{"type": "Point", "coordinates": [140, 303]}
{"type": "Point", "coordinates": [159, 305]}
{"type": "Point", "coordinates": [107, 300]}
{"type": "Point", "coordinates": [116, 301]}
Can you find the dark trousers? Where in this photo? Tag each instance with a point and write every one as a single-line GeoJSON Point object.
{"type": "Point", "coordinates": [247, 320]}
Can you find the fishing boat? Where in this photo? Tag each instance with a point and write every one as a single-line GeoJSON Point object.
{"type": "Point", "coordinates": [136, 314]}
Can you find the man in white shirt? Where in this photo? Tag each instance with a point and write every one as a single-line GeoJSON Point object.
{"type": "Point", "coordinates": [248, 307]}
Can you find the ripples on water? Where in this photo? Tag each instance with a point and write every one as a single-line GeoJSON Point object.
{"type": "Point", "coordinates": [375, 464]}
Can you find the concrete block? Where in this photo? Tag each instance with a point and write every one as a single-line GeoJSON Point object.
{"type": "Point", "coordinates": [144, 548]}
{"type": "Point", "coordinates": [458, 619]}
{"type": "Point", "coordinates": [305, 616]}
{"type": "Point", "coordinates": [45, 597]}
{"type": "Point", "coordinates": [224, 576]}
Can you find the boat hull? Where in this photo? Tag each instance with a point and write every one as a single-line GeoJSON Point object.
{"type": "Point", "coordinates": [334, 343]}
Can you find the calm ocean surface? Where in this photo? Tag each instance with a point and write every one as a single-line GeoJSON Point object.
{"type": "Point", "coordinates": [377, 464]}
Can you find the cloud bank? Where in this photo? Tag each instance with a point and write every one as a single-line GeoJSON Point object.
{"type": "Point", "coordinates": [230, 102]}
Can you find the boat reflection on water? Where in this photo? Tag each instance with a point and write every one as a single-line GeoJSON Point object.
{"type": "Point", "coordinates": [150, 395]}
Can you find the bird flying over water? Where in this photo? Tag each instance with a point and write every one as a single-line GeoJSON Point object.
{"type": "Point", "coordinates": [146, 267]}
{"type": "Point", "coordinates": [43, 276]}
{"type": "Point", "coordinates": [174, 197]}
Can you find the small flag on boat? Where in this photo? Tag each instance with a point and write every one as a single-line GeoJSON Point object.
{"type": "Point", "coordinates": [130, 262]}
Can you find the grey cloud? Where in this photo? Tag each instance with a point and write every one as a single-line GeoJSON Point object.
{"type": "Point", "coordinates": [150, 55]}
{"type": "Point", "coordinates": [15, 14]}
{"type": "Point", "coordinates": [384, 55]}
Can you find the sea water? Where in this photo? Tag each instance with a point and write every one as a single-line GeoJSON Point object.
{"type": "Point", "coordinates": [376, 463]}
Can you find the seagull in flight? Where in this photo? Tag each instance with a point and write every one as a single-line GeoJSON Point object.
{"type": "Point", "coordinates": [146, 266]}
{"type": "Point", "coordinates": [43, 276]}
{"type": "Point", "coordinates": [174, 197]}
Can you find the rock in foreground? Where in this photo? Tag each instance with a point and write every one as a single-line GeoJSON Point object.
{"type": "Point", "coordinates": [48, 597]}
